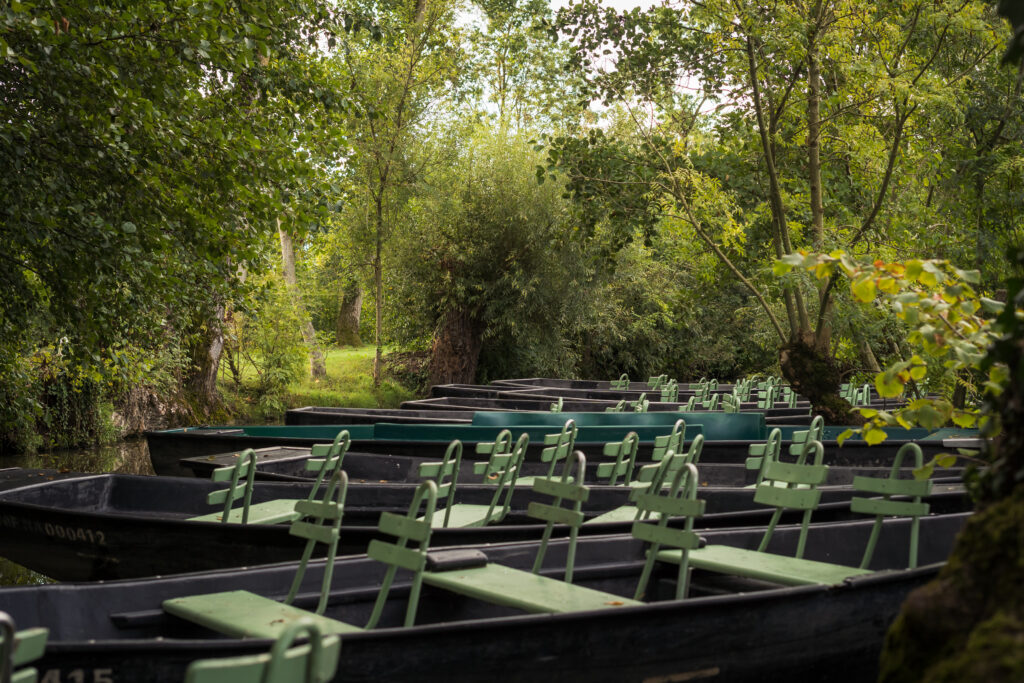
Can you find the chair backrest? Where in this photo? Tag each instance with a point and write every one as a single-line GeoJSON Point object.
{"type": "Point", "coordinates": [624, 453]}
{"type": "Point", "coordinates": [760, 454]}
{"type": "Point", "coordinates": [670, 392]}
{"type": "Point", "coordinates": [18, 649]}
{"type": "Point", "coordinates": [800, 492]}
{"type": "Point", "coordinates": [673, 441]}
{"type": "Point", "coordinates": [620, 384]}
{"type": "Point", "coordinates": [320, 523]}
{"type": "Point", "coordinates": [567, 488]}
{"type": "Point", "coordinates": [398, 555]}
{"type": "Point", "coordinates": [640, 405]}
{"type": "Point", "coordinates": [805, 436]}
{"type": "Point", "coordinates": [446, 475]}
{"type": "Point", "coordinates": [326, 459]}
{"type": "Point", "coordinates": [654, 383]}
{"type": "Point", "coordinates": [658, 476]}
{"type": "Point", "coordinates": [501, 469]}
{"type": "Point", "coordinates": [558, 447]}
{"type": "Point", "coordinates": [883, 507]}
{"type": "Point", "coordinates": [678, 500]}
{"type": "Point", "coordinates": [244, 467]}
{"type": "Point", "coordinates": [556, 407]}
{"type": "Point", "coordinates": [313, 662]}
{"type": "Point", "coordinates": [617, 408]}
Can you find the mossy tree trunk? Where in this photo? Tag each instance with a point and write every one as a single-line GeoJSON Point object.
{"type": "Point", "coordinates": [456, 349]}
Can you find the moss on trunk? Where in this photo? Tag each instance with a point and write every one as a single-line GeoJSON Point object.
{"type": "Point", "coordinates": [968, 624]}
{"type": "Point", "coordinates": [815, 375]}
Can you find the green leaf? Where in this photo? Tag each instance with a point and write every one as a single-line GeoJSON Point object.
{"type": "Point", "coordinates": [864, 289]}
{"type": "Point", "coordinates": [874, 436]}
{"type": "Point", "coordinates": [846, 434]}
{"type": "Point", "coordinates": [888, 385]}
{"type": "Point", "coordinates": [925, 471]}
{"type": "Point", "coordinates": [945, 460]}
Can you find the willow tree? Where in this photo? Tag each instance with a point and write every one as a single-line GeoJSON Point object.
{"type": "Point", "coordinates": [815, 102]}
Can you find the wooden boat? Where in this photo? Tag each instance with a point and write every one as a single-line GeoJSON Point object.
{"type": "Point", "coordinates": [108, 526]}
{"type": "Point", "coordinates": [319, 415]}
{"type": "Point", "coordinates": [727, 439]}
{"type": "Point", "coordinates": [288, 463]}
{"type": "Point", "coordinates": [729, 628]}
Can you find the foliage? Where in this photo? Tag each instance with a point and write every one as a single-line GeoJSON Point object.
{"type": "Point", "coordinates": [949, 320]}
{"type": "Point", "coordinates": [268, 343]}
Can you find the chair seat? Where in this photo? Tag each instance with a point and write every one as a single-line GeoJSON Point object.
{"type": "Point", "coordinates": [500, 585]}
{"type": "Point", "coordinates": [465, 515]}
{"type": "Point", "coordinates": [625, 513]}
{"type": "Point", "coordinates": [269, 512]}
{"type": "Point", "coordinates": [790, 571]}
{"type": "Point", "coordinates": [242, 614]}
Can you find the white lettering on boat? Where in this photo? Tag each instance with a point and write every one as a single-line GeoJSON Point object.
{"type": "Point", "coordinates": [54, 530]}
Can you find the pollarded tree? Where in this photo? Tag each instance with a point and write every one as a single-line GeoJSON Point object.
{"type": "Point", "coordinates": [490, 266]}
{"type": "Point", "coordinates": [817, 101]}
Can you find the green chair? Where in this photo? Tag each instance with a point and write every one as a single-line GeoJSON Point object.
{"type": "Point", "coordinates": [883, 507]}
{"type": "Point", "coordinates": [679, 500]}
{"type": "Point", "coordinates": [640, 405]}
{"type": "Point", "coordinates": [760, 454]}
{"type": "Point", "coordinates": [18, 648]}
{"type": "Point", "coordinates": [271, 511]}
{"type": "Point", "coordinates": [652, 478]}
{"type": "Point", "coordinates": [529, 591]}
{"type": "Point", "coordinates": [783, 569]}
{"type": "Point", "coordinates": [557, 448]}
{"type": "Point", "coordinates": [446, 475]}
{"type": "Point", "coordinates": [624, 452]}
{"type": "Point", "coordinates": [803, 437]}
{"type": "Point", "coordinates": [620, 384]}
{"type": "Point", "coordinates": [241, 614]}
{"type": "Point", "coordinates": [617, 408]}
{"type": "Point", "coordinates": [313, 662]}
{"type": "Point", "coordinates": [670, 392]}
{"type": "Point", "coordinates": [556, 407]}
{"type": "Point", "coordinates": [505, 460]}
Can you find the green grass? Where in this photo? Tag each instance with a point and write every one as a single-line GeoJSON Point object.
{"type": "Point", "coordinates": [348, 384]}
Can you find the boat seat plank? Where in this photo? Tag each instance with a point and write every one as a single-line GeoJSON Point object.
{"type": "Point", "coordinates": [268, 512]}
{"type": "Point", "coordinates": [790, 571]}
{"type": "Point", "coordinates": [241, 614]}
{"type": "Point", "coordinates": [624, 513]}
{"type": "Point", "coordinates": [463, 515]}
{"type": "Point", "coordinates": [501, 585]}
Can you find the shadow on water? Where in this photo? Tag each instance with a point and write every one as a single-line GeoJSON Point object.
{"type": "Point", "coordinates": [128, 457]}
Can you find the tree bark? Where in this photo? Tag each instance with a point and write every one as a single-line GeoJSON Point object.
{"type": "Point", "coordinates": [456, 349]}
{"type": "Point", "coordinates": [206, 353]}
{"type": "Point", "coordinates": [317, 367]}
{"type": "Point", "coordinates": [349, 312]}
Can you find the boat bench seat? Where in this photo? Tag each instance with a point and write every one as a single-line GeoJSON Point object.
{"type": "Point", "coordinates": [241, 614]}
{"type": "Point", "coordinates": [501, 585]}
{"type": "Point", "coordinates": [268, 512]}
{"type": "Point", "coordinates": [754, 564]}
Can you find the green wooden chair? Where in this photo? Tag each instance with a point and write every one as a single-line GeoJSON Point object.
{"type": "Point", "coordinates": [670, 392]}
{"type": "Point", "coordinates": [679, 500]}
{"type": "Point", "coordinates": [651, 478]}
{"type": "Point", "coordinates": [620, 384]}
{"type": "Point", "coordinates": [624, 453]}
{"type": "Point", "coordinates": [673, 441]}
{"type": "Point", "coordinates": [640, 405]}
{"type": "Point", "coordinates": [655, 383]}
{"type": "Point", "coordinates": [313, 662]}
{"type": "Point", "coordinates": [241, 614]}
{"type": "Point", "coordinates": [804, 437]}
{"type": "Point", "coordinates": [19, 648]}
{"type": "Point", "coordinates": [505, 460]}
{"type": "Point", "coordinates": [472, 575]}
{"type": "Point", "coordinates": [556, 407]}
{"type": "Point", "coordinates": [617, 408]}
{"type": "Point", "coordinates": [914, 489]}
{"type": "Point", "coordinates": [783, 569]}
{"type": "Point", "coordinates": [271, 511]}
{"type": "Point", "coordinates": [446, 475]}
{"type": "Point", "coordinates": [557, 448]}
{"type": "Point", "coordinates": [760, 454]}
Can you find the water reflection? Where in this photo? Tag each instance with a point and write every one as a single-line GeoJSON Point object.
{"type": "Point", "coordinates": [128, 457]}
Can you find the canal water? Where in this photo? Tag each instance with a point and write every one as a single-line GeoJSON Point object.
{"type": "Point", "coordinates": [128, 457]}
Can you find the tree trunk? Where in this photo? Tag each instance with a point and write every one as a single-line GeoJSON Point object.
{"type": "Point", "coordinates": [317, 368]}
{"type": "Point", "coordinates": [206, 352]}
{"type": "Point", "coordinates": [456, 349]}
{"type": "Point", "coordinates": [378, 300]}
{"type": "Point", "coordinates": [349, 312]}
{"type": "Point", "coordinates": [814, 374]}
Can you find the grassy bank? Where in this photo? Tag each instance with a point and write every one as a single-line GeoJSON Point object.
{"type": "Point", "coordinates": [349, 383]}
